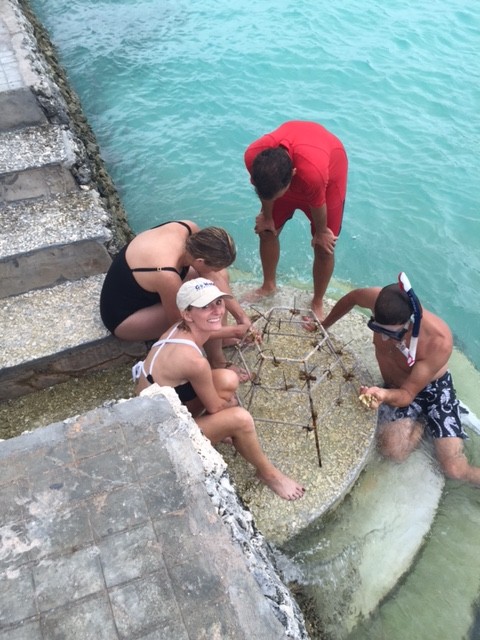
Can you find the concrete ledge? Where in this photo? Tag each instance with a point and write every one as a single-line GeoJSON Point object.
{"type": "Point", "coordinates": [57, 220]}
{"type": "Point", "coordinates": [54, 334]}
{"type": "Point", "coordinates": [19, 108]}
{"type": "Point", "coordinates": [122, 523]}
{"type": "Point", "coordinates": [60, 366]}
{"type": "Point", "coordinates": [39, 323]}
{"type": "Point", "coordinates": [35, 183]}
{"type": "Point", "coordinates": [51, 266]}
{"type": "Point", "coordinates": [48, 241]}
{"type": "Point", "coordinates": [36, 147]}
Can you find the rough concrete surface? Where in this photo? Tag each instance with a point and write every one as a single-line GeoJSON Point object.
{"type": "Point", "coordinates": [108, 531]}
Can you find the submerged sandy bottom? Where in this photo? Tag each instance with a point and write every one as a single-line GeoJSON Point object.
{"type": "Point", "coordinates": [302, 379]}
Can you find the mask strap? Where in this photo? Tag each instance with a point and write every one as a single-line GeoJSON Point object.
{"type": "Point", "coordinates": [410, 353]}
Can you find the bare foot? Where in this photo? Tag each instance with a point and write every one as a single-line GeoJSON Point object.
{"type": "Point", "coordinates": [257, 294]}
{"type": "Point", "coordinates": [317, 310]}
{"type": "Point", "coordinates": [282, 485]}
{"type": "Point", "coordinates": [309, 323]}
{"type": "Point", "coordinates": [242, 374]}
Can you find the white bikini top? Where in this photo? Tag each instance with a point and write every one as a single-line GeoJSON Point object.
{"type": "Point", "coordinates": [139, 367]}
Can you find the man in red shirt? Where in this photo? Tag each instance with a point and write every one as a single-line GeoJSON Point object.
{"type": "Point", "coordinates": [303, 166]}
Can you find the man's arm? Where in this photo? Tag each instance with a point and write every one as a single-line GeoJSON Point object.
{"type": "Point", "coordinates": [422, 373]}
{"type": "Point", "coordinates": [323, 236]}
{"type": "Point", "coordinates": [358, 297]}
{"type": "Point", "coordinates": [264, 220]}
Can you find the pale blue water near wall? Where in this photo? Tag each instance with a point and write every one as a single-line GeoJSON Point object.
{"type": "Point", "coordinates": [175, 91]}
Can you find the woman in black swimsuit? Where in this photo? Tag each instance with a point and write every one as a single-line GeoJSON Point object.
{"type": "Point", "coordinates": [137, 302]}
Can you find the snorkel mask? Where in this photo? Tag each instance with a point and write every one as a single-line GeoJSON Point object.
{"type": "Point", "coordinates": [397, 335]}
{"type": "Point", "coordinates": [411, 352]}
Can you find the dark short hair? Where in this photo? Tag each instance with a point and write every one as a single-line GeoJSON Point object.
{"type": "Point", "coordinates": [393, 305]}
{"type": "Point", "coordinates": [272, 171]}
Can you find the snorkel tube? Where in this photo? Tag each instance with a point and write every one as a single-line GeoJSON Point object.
{"type": "Point", "coordinates": [405, 285]}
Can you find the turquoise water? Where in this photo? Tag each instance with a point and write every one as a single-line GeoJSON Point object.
{"type": "Point", "coordinates": [176, 90]}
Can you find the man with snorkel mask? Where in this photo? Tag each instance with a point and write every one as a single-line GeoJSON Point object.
{"type": "Point", "coordinates": [412, 348]}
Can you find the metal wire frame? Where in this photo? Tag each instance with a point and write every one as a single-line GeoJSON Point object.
{"type": "Point", "coordinates": [277, 326]}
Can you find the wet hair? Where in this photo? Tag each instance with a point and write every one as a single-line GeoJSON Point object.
{"type": "Point", "coordinates": [214, 245]}
{"type": "Point", "coordinates": [392, 306]}
{"type": "Point", "coordinates": [272, 171]}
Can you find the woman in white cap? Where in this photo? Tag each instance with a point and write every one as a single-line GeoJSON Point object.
{"type": "Point", "coordinates": [137, 302]}
{"type": "Point", "coordinates": [177, 360]}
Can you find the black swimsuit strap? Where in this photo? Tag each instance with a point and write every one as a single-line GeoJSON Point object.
{"type": "Point", "coordinates": [184, 270]}
{"type": "Point", "coordinates": [155, 269]}
{"type": "Point", "coordinates": [184, 224]}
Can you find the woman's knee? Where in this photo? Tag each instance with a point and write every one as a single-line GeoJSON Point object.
{"type": "Point", "coordinates": [225, 380]}
{"type": "Point", "coordinates": [243, 420]}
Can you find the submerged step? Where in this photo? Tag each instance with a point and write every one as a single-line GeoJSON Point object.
{"type": "Point", "coordinates": [45, 242]}
{"type": "Point", "coordinates": [350, 562]}
{"type": "Point", "coordinates": [52, 335]}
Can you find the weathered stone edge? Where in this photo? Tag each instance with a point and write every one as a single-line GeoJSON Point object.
{"type": "Point", "coordinates": [258, 553]}
{"type": "Point", "coordinates": [62, 105]}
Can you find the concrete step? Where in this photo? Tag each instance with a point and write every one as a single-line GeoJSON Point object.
{"type": "Point", "coordinates": [20, 108]}
{"type": "Point", "coordinates": [46, 241]}
{"type": "Point", "coordinates": [36, 162]}
{"type": "Point", "coordinates": [51, 335]}
{"type": "Point", "coordinates": [36, 146]}
{"type": "Point", "coordinates": [35, 183]}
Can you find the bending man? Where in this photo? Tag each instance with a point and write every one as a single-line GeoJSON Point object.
{"type": "Point", "coordinates": [303, 166]}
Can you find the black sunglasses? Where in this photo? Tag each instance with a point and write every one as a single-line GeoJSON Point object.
{"type": "Point", "coordinates": [394, 335]}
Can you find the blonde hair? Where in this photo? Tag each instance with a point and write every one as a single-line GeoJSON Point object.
{"type": "Point", "coordinates": [214, 245]}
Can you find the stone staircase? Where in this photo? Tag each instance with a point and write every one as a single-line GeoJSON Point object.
{"type": "Point", "coordinates": [55, 236]}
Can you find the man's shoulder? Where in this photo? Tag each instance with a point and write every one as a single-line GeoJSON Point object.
{"type": "Point", "coordinates": [364, 296]}
{"type": "Point", "coordinates": [436, 325]}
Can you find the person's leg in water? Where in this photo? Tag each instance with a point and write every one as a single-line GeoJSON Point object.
{"type": "Point", "coordinates": [238, 424]}
{"type": "Point", "coordinates": [453, 461]}
{"type": "Point", "coordinates": [398, 438]}
{"type": "Point", "coordinates": [323, 262]}
{"type": "Point", "coordinates": [283, 210]}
